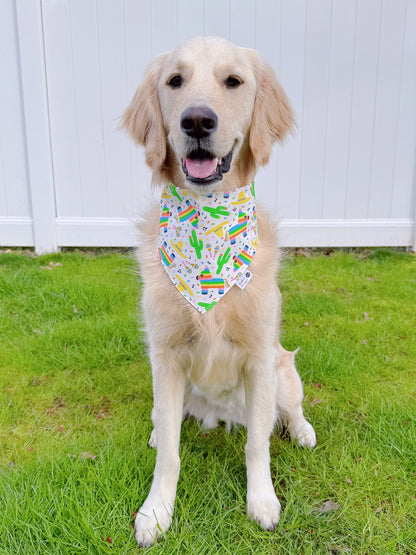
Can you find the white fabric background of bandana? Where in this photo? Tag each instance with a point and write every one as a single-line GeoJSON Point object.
{"type": "Point", "coordinates": [206, 241]}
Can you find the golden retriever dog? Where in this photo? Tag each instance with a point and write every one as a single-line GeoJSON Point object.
{"type": "Point", "coordinates": [208, 114]}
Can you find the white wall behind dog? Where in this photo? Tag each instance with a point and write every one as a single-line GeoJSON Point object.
{"type": "Point", "coordinates": [347, 177]}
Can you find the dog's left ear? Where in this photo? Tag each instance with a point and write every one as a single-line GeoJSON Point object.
{"type": "Point", "coordinates": [273, 116]}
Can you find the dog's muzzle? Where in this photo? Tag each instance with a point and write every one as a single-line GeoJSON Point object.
{"type": "Point", "coordinates": [200, 165]}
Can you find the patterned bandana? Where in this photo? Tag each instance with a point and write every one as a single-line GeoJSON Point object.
{"type": "Point", "coordinates": [207, 241]}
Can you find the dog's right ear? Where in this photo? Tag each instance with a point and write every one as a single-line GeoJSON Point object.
{"type": "Point", "coordinates": [143, 117]}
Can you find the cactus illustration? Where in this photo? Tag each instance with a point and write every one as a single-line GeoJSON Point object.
{"type": "Point", "coordinates": [196, 243]}
{"type": "Point", "coordinates": [253, 192]}
{"type": "Point", "coordinates": [223, 259]}
{"type": "Point", "coordinates": [216, 212]}
{"type": "Point", "coordinates": [207, 306]}
{"type": "Point", "coordinates": [175, 193]}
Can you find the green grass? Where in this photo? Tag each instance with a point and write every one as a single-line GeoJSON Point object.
{"type": "Point", "coordinates": [75, 403]}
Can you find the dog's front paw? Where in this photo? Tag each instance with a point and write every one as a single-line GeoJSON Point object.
{"type": "Point", "coordinates": [152, 520]}
{"type": "Point", "coordinates": [264, 509]}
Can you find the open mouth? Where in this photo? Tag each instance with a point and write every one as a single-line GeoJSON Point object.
{"type": "Point", "coordinates": [201, 167]}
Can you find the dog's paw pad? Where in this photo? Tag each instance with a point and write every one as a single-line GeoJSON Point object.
{"type": "Point", "coordinates": [264, 509]}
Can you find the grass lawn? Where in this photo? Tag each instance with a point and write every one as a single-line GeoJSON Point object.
{"type": "Point", "coordinates": [75, 403]}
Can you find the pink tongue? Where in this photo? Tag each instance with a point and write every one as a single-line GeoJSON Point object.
{"type": "Point", "coordinates": [201, 168]}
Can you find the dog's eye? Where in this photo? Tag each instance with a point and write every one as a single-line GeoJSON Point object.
{"type": "Point", "coordinates": [232, 82]}
{"type": "Point", "coordinates": [175, 81]}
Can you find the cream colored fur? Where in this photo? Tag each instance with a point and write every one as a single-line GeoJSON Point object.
{"type": "Point", "coordinates": [228, 364]}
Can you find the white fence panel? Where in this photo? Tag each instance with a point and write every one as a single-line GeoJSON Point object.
{"type": "Point", "coordinates": [349, 66]}
{"type": "Point", "coordinates": [36, 123]}
{"type": "Point", "coordinates": [15, 210]}
{"type": "Point", "coordinates": [337, 128]}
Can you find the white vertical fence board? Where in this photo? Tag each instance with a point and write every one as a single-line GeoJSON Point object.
{"type": "Point", "coordinates": [137, 41]}
{"type": "Point", "coordinates": [164, 25]}
{"type": "Point", "coordinates": [268, 31]}
{"type": "Point", "coordinates": [363, 107]}
{"type": "Point", "coordinates": [190, 19]}
{"type": "Point", "coordinates": [3, 181]}
{"type": "Point", "coordinates": [242, 22]}
{"type": "Point", "coordinates": [216, 18]}
{"type": "Point", "coordinates": [386, 111]}
{"type": "Point", "coordinates": [404, 180]}
{"type": "Point", "coordinates": [14, 189]}
{"type": "Point", "coordinates": [36, 120]}
{"type": "Point", "coordinates": [138, 54]}
{"type": "Point", "coordinates": [63, 116]}
{"type": "Point", "coordinates": [314, 123]}
{"type": "Point", "coordinates": [90, 118]}
{"type": "Point", "coordinates": [110, 18]}
{"type": "Point", "coordinates": [339, 108]}
{"type": "Point", "coordinates": [291, 75]}
{"type": "Point", "coordinates": [267, 36]}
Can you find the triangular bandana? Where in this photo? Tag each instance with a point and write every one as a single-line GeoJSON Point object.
{"type": "Point", "coordinates": [207, 241]}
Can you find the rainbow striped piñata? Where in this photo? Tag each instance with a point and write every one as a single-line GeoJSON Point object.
{"type": "Point", "coordinates": [165, 257]}
{"type": "Point", "coordinates": [164, 217]}
{"type": "Point", "coordinates": [243, 258]}
{"type": "Point", "coordinates": [240, 227]}
{"type": "Point", "coordinates": [188, 214]}
{"type": "Point", "coordinates": [207, 282]}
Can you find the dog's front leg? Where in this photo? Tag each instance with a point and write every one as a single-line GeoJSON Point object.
{"type": "Point", "coordinates": [260, 388]}
{"type": "Point", "coordinates": [155, 515]}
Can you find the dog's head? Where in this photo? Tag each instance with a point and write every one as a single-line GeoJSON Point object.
{"type": "Point", "coordinates": [208, 114]}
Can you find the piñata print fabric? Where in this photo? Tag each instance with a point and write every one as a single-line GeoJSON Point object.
{"type": "Point", "coordinates": [207, 241]}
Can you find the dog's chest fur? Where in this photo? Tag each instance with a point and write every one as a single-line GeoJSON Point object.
{"type": "Point", "coordinates": [215, 348]}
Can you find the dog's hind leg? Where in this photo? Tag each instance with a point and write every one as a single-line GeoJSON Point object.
{"type": "Point", "coordinates": [289, 399]}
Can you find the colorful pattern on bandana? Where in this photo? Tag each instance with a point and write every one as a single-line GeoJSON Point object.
{"type": "Point", "coordinates": [207, 241]}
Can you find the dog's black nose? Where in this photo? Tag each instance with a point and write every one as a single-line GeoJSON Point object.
{"type": "Point", "coordinates": [198, 121]}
